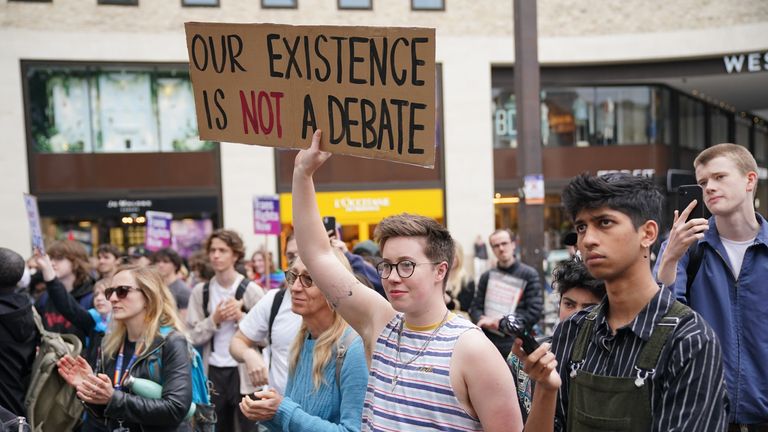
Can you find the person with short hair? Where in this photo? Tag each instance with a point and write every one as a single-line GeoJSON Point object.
{"type": "Point", "coordinates": [429, 368]}
{"type": "Point", "coordinates": [168, 263]}
{"type": "Point", "coordinates": [213, 326]}
{"type": "Point", "coordinates": [728, 288]}
{"type": "Point", "coordinates": [108, 259]}
{"type": "Point", "coordinates": [19, 337]}
{"type": "Point", "coordinates": [531, 301]}
{"type": "Point", "coordinates": [578, 290]}
{"type": "Point", "coordinates": [639, 360]}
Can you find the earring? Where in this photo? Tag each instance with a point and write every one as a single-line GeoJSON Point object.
{"type": "Point", "coordinates": [645, 251]}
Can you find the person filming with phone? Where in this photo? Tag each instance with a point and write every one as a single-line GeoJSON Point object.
{"type": "Point", "coordinates": [719, 267]}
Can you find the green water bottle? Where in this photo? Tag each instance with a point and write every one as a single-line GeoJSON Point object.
{"type": "Point", "coordinates": [150, 389]}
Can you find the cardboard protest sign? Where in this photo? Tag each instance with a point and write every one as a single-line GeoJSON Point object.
{"type": "Point", "coordinates": [266, 215]}
{"type": "Point", "coordinates": [158, 234]}
{"type": "Point", "coordinates": [370, 89]}
{"type": "Point", "coordinates": [33, 215]}
{"type": "Point", "coordinates": [502, 294]}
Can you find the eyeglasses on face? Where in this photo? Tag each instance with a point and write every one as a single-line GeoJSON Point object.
{"type": "Point", "coordinates": [121, 291]}
{"type": "Point", "coordinates": [404, 268]}
{"type": "Point", "coordinates": [304, 280]}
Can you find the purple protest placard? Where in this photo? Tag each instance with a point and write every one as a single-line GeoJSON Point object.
{"type": "Point", "coordinates": [158, 230]}
{"type": "Point", "coordinates": [266, 214]}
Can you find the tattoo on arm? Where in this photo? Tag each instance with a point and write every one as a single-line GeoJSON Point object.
{"type": "Point", "coordinates": [340, 293]}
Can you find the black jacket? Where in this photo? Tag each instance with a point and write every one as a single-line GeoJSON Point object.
{"type": "Point", "coordinates": [171, 367]}
{"type": "Point", "coordinates": [55, 321]}
{"type": "Point", "coordinates": [528, 310]}
{"type": "Point", "coordinates": [75, 313]}
{"type": "Point", "coordinates": [18, 341]}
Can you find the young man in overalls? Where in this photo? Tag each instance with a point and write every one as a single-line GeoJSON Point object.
{"type": "Point", "coordinates": [638, 361]}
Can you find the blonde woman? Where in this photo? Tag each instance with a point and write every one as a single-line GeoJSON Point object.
{"type": "Point", "coordinates": [460, 289]}
{"type": "Point", "coordinates": [141, 306]}
{"type": "Point", "coordinates": [314, 399]}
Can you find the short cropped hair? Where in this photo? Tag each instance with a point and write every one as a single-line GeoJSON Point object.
{"type": "Point", "coordinates": [170, 255]}
{"type": "Point", "coordinates": [504, 230]}
{"type": "Point", "coordinates": [231, 239]}
{"type": "Point", "coordinates": [573, 273]}
{"type": "Point", "coordinates": [439, 246]}
{"type": "Point", "coordinates": [107, 248]}
{"type": "Point", "coordinates": [11, 268]}
{"type": "Point", "coordinates": [637, 197]}
{"type": "Point", "coordinates": [738, 154]}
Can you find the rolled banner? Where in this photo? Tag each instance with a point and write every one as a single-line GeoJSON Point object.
{"type": "Point", "coordinates": [150, 389]}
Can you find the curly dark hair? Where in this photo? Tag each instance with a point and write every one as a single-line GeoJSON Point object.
{"type": "Point", "coordinates": [573, 273]}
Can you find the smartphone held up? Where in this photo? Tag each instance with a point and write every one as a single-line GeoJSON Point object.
{"type": "Point", "coordinates": [685, 195]}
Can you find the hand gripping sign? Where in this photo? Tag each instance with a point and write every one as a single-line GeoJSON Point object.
{"type": "Point", "coordinates": [370, 89]}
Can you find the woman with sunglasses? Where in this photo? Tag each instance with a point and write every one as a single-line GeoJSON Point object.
{"type": "Point", "coordinates": [145, 340]}
{"type": "Point", "coordinates": [318, 397]}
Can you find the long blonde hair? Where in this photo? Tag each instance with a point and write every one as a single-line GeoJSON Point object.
{"type": "Point", "coordinates": [160, 309]}
{"type": "Point", "coordinates": [326, 342]}
{"type": "Point", "coordinates": [458, 276]}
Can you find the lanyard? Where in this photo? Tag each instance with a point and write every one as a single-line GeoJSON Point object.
{"type": "Point", "coordinates": [118, 378]}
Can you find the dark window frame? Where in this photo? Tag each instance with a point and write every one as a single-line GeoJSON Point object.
{"type": "Point", "coordinates": [340, 7]}
{"type": "Point", "coordinates": [423, 9]}
{"type": "Point", "coordinates": [118, 2]}
{"type": "Point", "coordinates": [266, 6]}
{"type": "Point", "coordinates": [185, 4]}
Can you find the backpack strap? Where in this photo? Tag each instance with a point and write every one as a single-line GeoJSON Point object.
{"type": "Point", "coordinates": [241, 288]}
{"type": "Point", "coordinates": [341, 351]}
{"type": "Point", "coordinates": [206, 296]}
{"type": "Point", "coordinates": [649, 356]}
{"type": "Point", "coordinates": [694, 263]}
{"type": "Point", "coordinates": [276, 302]}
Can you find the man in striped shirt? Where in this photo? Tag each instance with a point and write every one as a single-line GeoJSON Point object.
{"type": "Point", "coordinates": [639, 360]}
{"type": "Point", "coordinates": [429, 369]}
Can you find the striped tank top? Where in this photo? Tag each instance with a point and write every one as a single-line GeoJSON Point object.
{"type": "Point", "coordinates": [421, 398]}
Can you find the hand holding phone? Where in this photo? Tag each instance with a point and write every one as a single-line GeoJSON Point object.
{"type": "Point", "coordinates": [685, 196]}
{"type": "Point", "coordinates": [512, 326]}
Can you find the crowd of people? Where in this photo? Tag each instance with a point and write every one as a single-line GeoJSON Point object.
{"type": "Point", "coordinates": [397, 336]}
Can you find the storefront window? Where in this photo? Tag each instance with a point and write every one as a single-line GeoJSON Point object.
{"type": "Point", "coordinates": [623, 115]}
{"type": "Point", "coordinates": [743, 124]}
{"type": "Point", "coordinates": [761, 143]}
{"type": "Point", "coordinates": [660, 131]}
{"type": "Point", "coordinates": [567, 116]}
{"type": "Point", "coordinates": [585, 116]}
{"type": "Point", "coordinates": [718, 126]}
{"type": "Point", "coordinates": [691, 123]}
{"type": "Point", "coordinates": [83, 110]}
{"type": "Point", "coordinates": [504, 119]}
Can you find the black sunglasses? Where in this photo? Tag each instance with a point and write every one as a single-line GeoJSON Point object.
{"type": "Point", "coordinates": [121, 291]}
{"type": "Point", "coordinates": [304, 280]}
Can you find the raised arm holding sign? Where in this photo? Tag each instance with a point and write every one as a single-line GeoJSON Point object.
{"type": "Point", "coordinates": [372, 89]}
{"type": "Point", "coordinates": [406, 340]}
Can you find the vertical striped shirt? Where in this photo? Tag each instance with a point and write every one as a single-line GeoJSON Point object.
{"type": "Point", "coordinates": [687, 389]}
{"type": "Point", "coordinates": [416, 396]}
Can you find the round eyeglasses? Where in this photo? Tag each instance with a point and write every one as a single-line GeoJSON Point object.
{"type": "Point", "coordinates": [404, 268]}
{"type": "Point", "coordinates": [304, 280]}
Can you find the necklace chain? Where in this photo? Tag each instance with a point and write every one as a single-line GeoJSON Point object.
{"type": "Point", "coordinates": [401, 365]}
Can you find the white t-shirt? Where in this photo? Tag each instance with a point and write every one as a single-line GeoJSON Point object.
{"type": "Point", "coordinates": [220, 356]}
{"type": "Point", "coordinates": [255, 326]}
{"type": "Point", "coordinates": [736, 251]}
